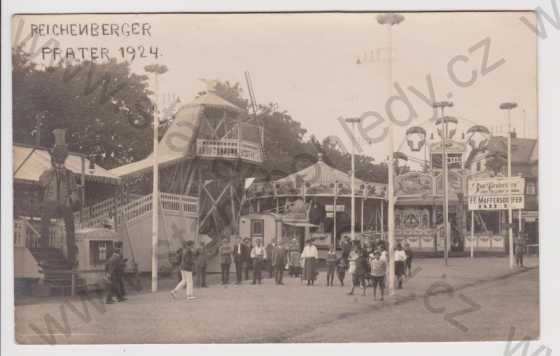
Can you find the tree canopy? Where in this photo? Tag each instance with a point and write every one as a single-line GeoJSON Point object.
{"type": "Point", "coordinates": [105, 108]}
{"type": "Point", "coordinates": [107, 111]}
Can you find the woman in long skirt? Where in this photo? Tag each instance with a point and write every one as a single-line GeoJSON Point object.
{"type": "Point", "coordinates": [310, 256]}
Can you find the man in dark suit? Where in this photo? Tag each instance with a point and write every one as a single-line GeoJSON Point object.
{"type": "Point", "coordinates": [200, 265]}
{"type": "Point", "coordinates": [268, 262]}
{"type": "Point", "coordinates": [247, 262]}
{"type": "Point", "coordinates": [278, 263]}
{"type": "Point", "coordinates": [112, 267]}
{"type": "Point", "coordinates": [240, 256]}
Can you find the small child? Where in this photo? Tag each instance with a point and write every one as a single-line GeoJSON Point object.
{"type": "Point", "coordinates": [378, 270]}
{"type": "Point", "coordinates": [359, 273]}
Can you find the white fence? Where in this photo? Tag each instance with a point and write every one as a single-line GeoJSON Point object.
{"type": "Point", "coordinates": [229, 148]}
{"type": "Point", "coordinates": [27, 230]}
{"type": "Point", "coordinates": [27, 233]}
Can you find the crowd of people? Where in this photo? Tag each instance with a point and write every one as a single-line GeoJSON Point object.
{"type": "Point", "coordinates": [366, 264]}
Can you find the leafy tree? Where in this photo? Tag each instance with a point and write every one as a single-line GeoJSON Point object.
{"type": "Point", "coordinates": [496, 162]}
{"type": "Point", "coordinates": [105, 108]}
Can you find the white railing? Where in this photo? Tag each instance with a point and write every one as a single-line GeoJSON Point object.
{"type": "Point", "coordinates": [135, 209]}
{"type": "Point", "coordinates": [26, 233]}
{"type": "Point", "coordinates": [183, 203]}
{"type": "Point", "coordinates": [95, 214]}
{"type": "Point", "coordinates": [170, 202]}
{"type": "Point", "coordinates": [229, 148]}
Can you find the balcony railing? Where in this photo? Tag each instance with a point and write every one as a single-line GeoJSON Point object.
{"type": "Point", "coordinates": [229, 149]}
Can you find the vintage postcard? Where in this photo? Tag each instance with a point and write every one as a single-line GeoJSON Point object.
{"type": "Point", "coordinates": [240, 178]}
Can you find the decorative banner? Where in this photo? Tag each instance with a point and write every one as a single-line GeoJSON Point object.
{"type": "Point", "coordinates": [493, 193]}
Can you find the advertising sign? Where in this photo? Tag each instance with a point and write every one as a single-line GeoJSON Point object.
{"type": "Point", "coordinates": [493, 193]}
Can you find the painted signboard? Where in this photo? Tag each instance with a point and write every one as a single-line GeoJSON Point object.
{"type": "Point", "coordinates": [493, 193]}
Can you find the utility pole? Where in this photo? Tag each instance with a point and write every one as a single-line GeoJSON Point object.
{"type": "Point", "coordinates": [389, 20]}
{"type": "Point", "coordinates": [444, 135]}
{"type": "Point", "coordinates": [353, 122]}
{"type": "Point", "coordinates": [508, 107]}
{"type": "Point", "coordinates": [156, 70]}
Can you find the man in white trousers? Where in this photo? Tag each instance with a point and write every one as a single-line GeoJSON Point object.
{"type": "Point", "coordinates": [187, 266]}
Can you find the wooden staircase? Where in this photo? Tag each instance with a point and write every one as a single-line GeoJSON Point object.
{"type": "Point", "coordinates": [57, 271]}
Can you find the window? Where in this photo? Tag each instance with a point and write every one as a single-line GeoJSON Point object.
{"type": "Point", "coordinates": [257, 227]}
{"type": "Point", "coordinates": [478, 166]}
{"type": "Point", "coordinates": [531, 188]}
{"type": "Point", "coordinates": [100, 251]}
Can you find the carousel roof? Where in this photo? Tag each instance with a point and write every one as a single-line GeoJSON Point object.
{"type": "Point", "coordinates": [318, 179]}
{"type": "Point", "coordinates": [320, 173]}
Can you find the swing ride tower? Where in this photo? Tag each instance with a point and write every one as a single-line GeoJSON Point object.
{"type": "Point", "coordinates": [208, 150]}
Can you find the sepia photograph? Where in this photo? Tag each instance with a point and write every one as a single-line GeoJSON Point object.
{"type": "Point", "coordinates": [275, 177]}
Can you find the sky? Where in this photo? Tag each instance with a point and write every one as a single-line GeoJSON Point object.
{"type": "Point", "coordinates": [307, 63]}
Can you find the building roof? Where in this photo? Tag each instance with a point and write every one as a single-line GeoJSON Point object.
{"type": "Point", "coordinates": [523, 150]}
{"type": "Point", "coordinates": [31, 162]}
{"type": "Point", "coordinates": [177, 142]}
{"type": "Point", "coordinates": [210, 98]}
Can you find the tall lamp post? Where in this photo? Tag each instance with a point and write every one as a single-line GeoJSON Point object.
{"type": "Point", "coordinates": [389, 20]}
{"type": "Point", "coordinates": [156, 69]}
{"type": "Point", "coordinates": [444, 120]}
{"type": "Point", "coordinates": [508, 107]}
{"type": "Point", "coordinates": [353, 122]}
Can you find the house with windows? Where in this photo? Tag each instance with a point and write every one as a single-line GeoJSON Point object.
{"type": "Point", "coordinates": [492, 161]}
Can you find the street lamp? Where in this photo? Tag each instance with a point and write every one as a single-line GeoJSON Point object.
{"type": "Point", "coordinates": [389, 20]}
{"type": "Point", "coordinates": [508, 107]}
{"type": "Point", "coordinates": [444, 121]}
{"type": "Point", "coordinates": [478, 137]}
{"type": "Point", "coordinates": [156, 69]}
{"type": "Point", "coordinates": [353, 122]}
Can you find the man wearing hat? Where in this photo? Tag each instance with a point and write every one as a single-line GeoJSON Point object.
{"type": "Point", "coordinates": [112, 272]}
{"type": "Point", "coordinates": [240, 255]}
{"type": "Point", "coordinates": [258, 255]}
{"type": "Point", "coordinates": [60, 195]}
{"type": "Point", "coordinates": [278, 262]}
{"type": "Point", "coordinates": [247, 263]}
{"type": "Point", "coordinates": [225, 252]}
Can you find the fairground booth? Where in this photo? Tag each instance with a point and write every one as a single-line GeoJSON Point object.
{"type": "Point", "coordinates": [314, 202]}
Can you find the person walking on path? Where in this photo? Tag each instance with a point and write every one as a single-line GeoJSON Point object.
{"type": "Point", "coordinates": [187, 266]}
{"type": "Point", "coordinates": [400, 259]}
{"type": "Point", "coordinates": [278, 263]}
{"type": "Point", "coordinates": [294, 258]}
{"type": "Point", "coordinates": [341, 270]}
{"type": "Point", "coordinates": [240, 256]}
{"type": "Point", "coordinates": [201, 263]}
{"type": "Point", "coordinates": [268, 262]}
{"type": "Point", "coordinates": [331, 266]}
{"type": "Point", "coordinates": [519, 248]}
{"type": "Point", "coordinates": [346, 249]}
{"type": "Point", "coordinates": [247, 263]}
{"type": "Point", "coordinates": [309, 256]}
{"type": "Point", "coordinates": [258, 256]}
{"type": "Point", "coordinates": [178, 257]}
{"type": "Point", "coordinates": [112, 267]}
{"type": "Point", "coordinates": [378, 269]}
{"type": "Point", "coordinates": [225, 260]}
{"type": "Point", "coordinates": [359, 271]}
{"type": "Point", "coordinates": [408, 261]}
